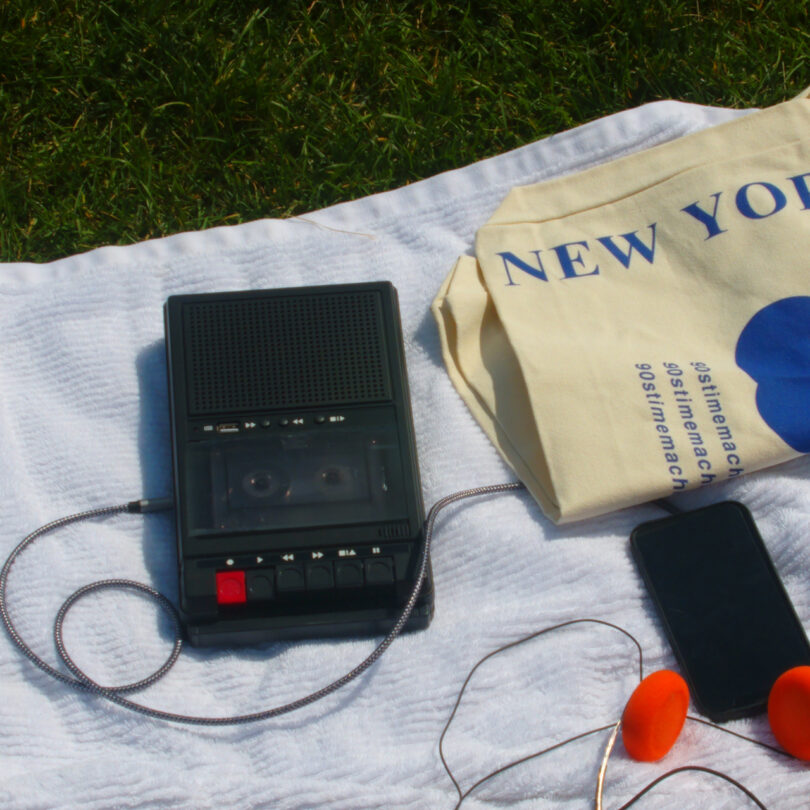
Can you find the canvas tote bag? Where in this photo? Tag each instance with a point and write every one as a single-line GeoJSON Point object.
{"type": "Point", "coordinates": [643, 327]}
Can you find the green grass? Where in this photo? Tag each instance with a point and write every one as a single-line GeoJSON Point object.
{"type": "Point", "coordinates": [128, 120]}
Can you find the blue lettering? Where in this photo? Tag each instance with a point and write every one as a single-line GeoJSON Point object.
{"type": "Point", "coordinates": [746, 209]}
{"type": "Point", "coordinates": [567, 261]}
{"type": "Point", "coordinates": [634, 244]}
{"type": "Point", "coordinates": [537, 272]}
{"type": "Point", "coordinates": [800, 182]}
{"type": "Point", "coordinates": [709, 220]}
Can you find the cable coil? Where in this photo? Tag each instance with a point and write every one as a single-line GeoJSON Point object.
{"type": "Point", "coordinates": [115, 694]}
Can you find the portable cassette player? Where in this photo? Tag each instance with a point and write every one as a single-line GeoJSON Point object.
{"type": "Point", "coordinates": [298, 503]}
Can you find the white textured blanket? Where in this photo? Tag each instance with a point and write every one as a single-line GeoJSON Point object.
{"type": "Point", "coordinates": [83, 423]}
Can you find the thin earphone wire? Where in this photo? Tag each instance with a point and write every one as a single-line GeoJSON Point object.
{"type": "Point", "coordinates": [83, 682]}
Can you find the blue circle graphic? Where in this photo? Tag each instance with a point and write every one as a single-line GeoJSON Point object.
{"type": "Point", "coordinates": [774, 350]}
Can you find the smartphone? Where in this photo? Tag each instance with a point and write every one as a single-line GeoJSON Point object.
{"type": "Point", "coordinates": [728, 617]}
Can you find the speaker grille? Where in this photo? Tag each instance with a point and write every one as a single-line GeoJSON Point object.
{"type": "Point", "coordinates": [285, 351]}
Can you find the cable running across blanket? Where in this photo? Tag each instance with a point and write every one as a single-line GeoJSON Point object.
{"type": "Point", "coordinates": [84, 682]}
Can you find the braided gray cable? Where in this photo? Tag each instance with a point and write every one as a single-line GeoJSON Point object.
{"type": "Point", "coordinates": [114, 693]}
{"type": "Point", "coordinates": [27, 541]}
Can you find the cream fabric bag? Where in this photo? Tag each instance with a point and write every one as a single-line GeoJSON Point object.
{"type": "Point", "coordinates": [643, 327]}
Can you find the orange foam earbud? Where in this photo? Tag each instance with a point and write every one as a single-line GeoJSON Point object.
{"type": "Point", "coordinates": [789, 711]}
{"type": "Point", "coordinates": [654, 715]}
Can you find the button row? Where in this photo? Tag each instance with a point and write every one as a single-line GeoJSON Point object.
{"type": "Point", "coordinates": [263, 584]}
{"type": "Point", "coordinates": [266, 422]}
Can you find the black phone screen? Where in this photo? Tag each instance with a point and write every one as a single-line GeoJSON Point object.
{"type": "Point", "coordinates": [729, 620]}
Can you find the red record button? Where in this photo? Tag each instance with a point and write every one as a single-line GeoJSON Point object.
{"type": "Point", "coordinates": [231, 587]}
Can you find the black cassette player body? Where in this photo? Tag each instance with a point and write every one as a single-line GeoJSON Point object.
{"type": "Point", "coordinates": [299, 509]}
